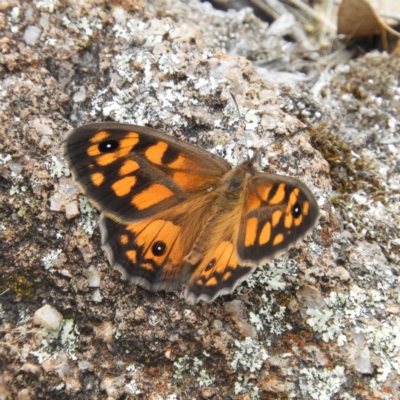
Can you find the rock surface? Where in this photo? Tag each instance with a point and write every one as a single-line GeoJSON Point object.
{"type": "Point", "coordinates": [320, 322]}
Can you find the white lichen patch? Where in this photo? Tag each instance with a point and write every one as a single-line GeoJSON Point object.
{"type": "Point", "coordinates": [385, 342]}
{"type": "Point", "coordinates": [18, 185]}
{"type": "Point", "coordinates": [244, 384]}
{"type": "Point", "coordinates": [87, 221]}
{"type": "Point", "coordinates": [69, 338]}
{"type": "Point", "coordinates": [132, 387]}
{"type": "Point", "coordinates": [54, 345]}
{"type": "Point", "coordinates": [191, 365]}
{"type": "Point", "coordinates": [359, 310]}
{"type": "Point", "coordinates": [270, 317]}
{"type": "Point", "coordinates": [14, 19]}
{"type": "Point", "coordinates": [49, 259]}
{"type": "Point", "coordinates": [204, 378]}
{"type": "Point", "coordinates": [57, 168]}
{"type": "Point", "coordinates": [5, 159]}
{"type": "Point", "coordinates": [47, 5]}
{"type": "Point", "coordinates": [318, 322]}
{"type": "Point", "coordinates": [250, 355]}
{"type": "Point", "coordinates": [271, 275]}
{"type": "Point", "coordinates": [323, 383]}
{"type": "Point", "coordinates": [86, 26]}
{"type": "Point", "coordinates": [187, 364]}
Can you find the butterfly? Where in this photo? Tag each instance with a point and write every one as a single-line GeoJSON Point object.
{"type": "Point", "coordinates": [174, 213]}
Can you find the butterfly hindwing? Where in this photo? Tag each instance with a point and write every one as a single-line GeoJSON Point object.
{"type": "Point", "coordinates": [217, 273]}
{"type": "Point", "coordinates": [131, 172]}
{"type": "Point", "coordinates": [148, 253]}
{"type": "Point", "coordinates": [278, 212]}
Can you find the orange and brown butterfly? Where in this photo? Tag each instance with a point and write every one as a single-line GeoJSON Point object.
{"type": "Point", "coordinates": [174, 213]}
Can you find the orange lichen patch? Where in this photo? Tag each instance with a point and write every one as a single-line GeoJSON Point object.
{"type": "Point", "coordinates": [99, 136]}
{"type": "Point", "coordinates": [278, 239]}
{"type": "Point", "coordinates": [128, 167]}
{"type": "Point", "coordinates": [265, 234]}
{"type": "Point", "coordinates": [123, 186]}
{"type": "Point", "coordinates": [276, 216]}
{"type": "Point", "coordinates": [154, 194]}
{"type": "Point", "coordinates": [188, 181]}
{"type": "Point", "coordinates": [155, 153]}
{"type": "Point", "coordinates": [132, 255]}
{"type": "Point", "coordinates": [279, 195]}
{"type": "Point", "coordinates": [97, 178]}
{"type": "Point", "coordinates": [251, 232]}
{"type": "Point", "coordinates": [253, 202]}
{"type": "Point", "coordinates": [124, 239]}
{"type": "Point", "coordinates": [263, 191]}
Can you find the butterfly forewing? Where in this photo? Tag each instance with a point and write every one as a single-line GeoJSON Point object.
{"type": "Point", "coordinates": [131, 172]}
{"type": "Point", "coordinates": [278, 212]}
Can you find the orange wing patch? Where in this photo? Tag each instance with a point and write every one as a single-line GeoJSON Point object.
{"type": "Point", "coordinates": [99, 136]}
{"type": "Point", "coordinates": [128, 167]}
{"type": "Point", "coordinates": [123, 186]}
{"type": "Point", "coordinates": [97, 178]}
{"type": "Point", "coordinates": [251, 231]}
{"type": "Point", "coordinates": [265, 234]}
{"type": "Point", "coordinates": [187, 180]}
{"type": "Point", "coordinates": [154, 194]}
{"type": "Point", "coordinates": [155, 153]}
{"type": "Point", "coordinates": [279, 195]}
{"type": "Point", "coordinates": [253, 202]}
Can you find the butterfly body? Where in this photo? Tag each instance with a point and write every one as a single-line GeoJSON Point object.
{"type": "Point", "coordinates": [173, 213]}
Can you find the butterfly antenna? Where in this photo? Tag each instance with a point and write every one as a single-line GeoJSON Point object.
{"type": "Point", "coordinates": [241, 119]}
